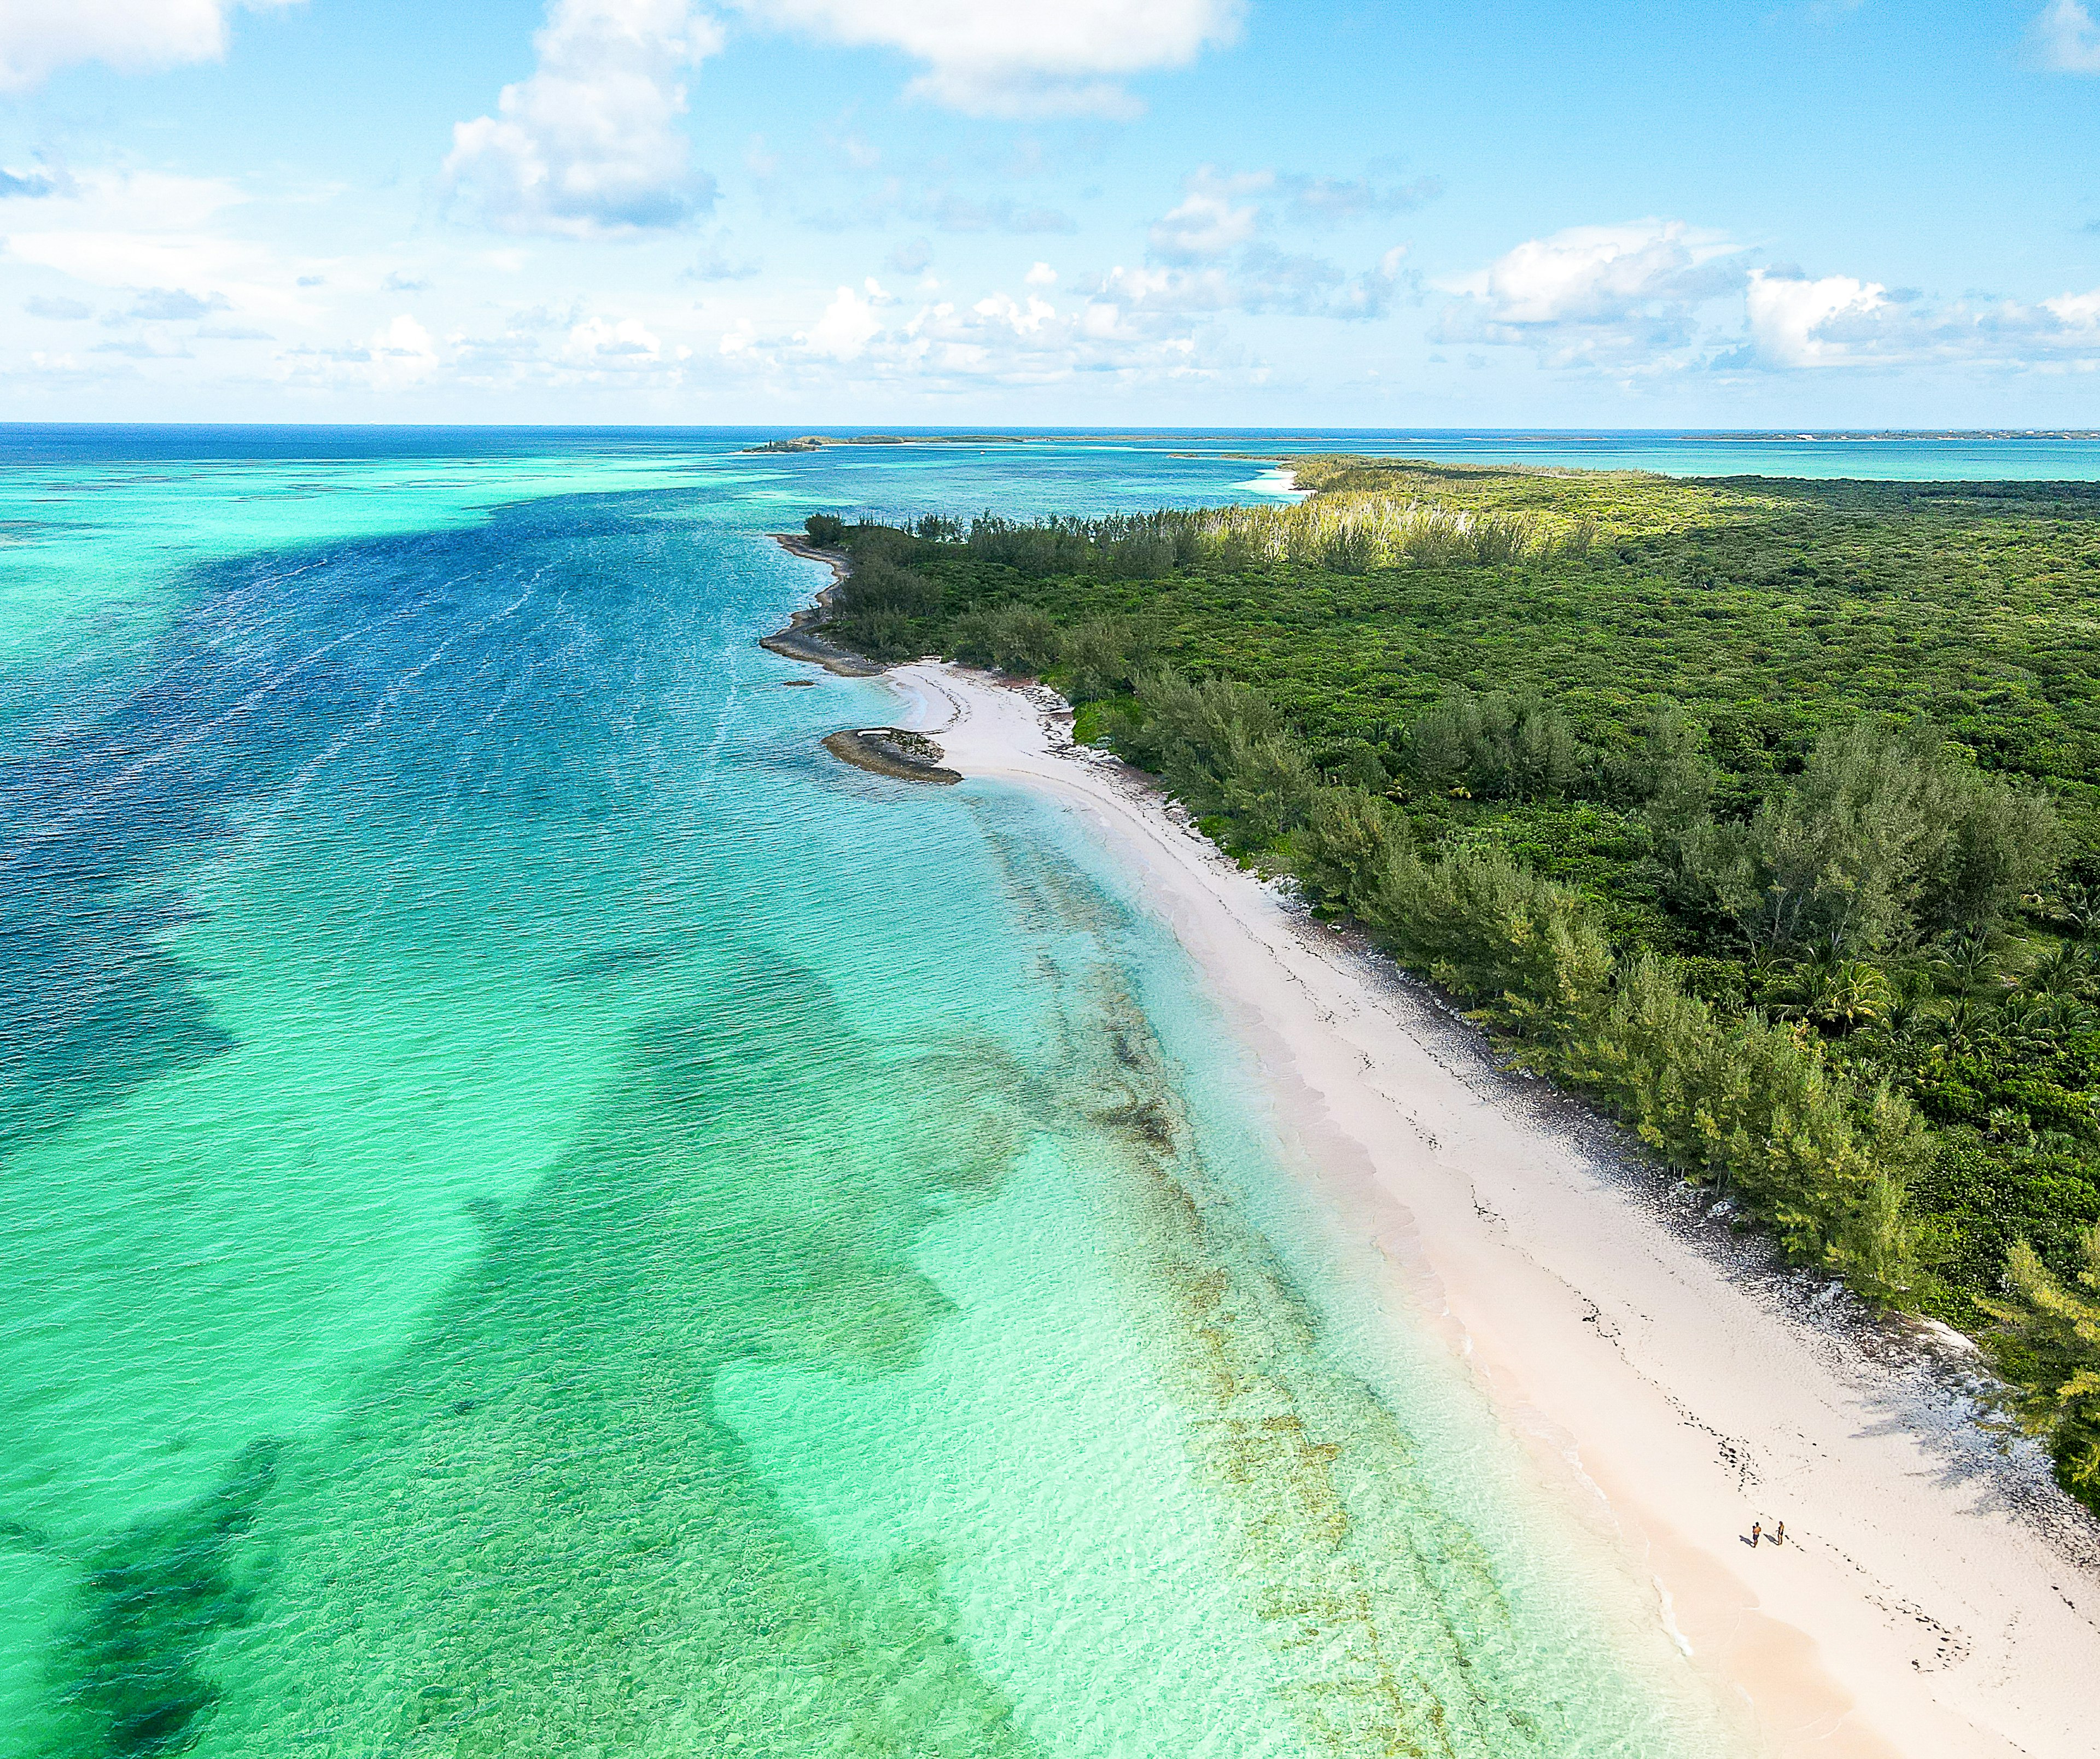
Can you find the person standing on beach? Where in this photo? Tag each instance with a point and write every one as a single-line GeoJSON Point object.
{"type": "Point", "coordinates": [1779, 1534]}
{"type": "Point", "coordinates": [1757, 1533]}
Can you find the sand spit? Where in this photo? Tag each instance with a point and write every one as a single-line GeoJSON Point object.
{"type": "Point", "coordinates": [800, 639]}
{"type": "Point", "coordinates": [1936, 1596]}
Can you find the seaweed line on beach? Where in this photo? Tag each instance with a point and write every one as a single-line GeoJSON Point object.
{"type": "Point", "coordinates": [800, 639]}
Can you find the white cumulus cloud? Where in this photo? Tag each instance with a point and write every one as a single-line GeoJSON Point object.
{"type": "Point", "coordinates": [590, 144]}
{"type": "Point", "coordinates": [1797, 322]}
{"type": "Point", "coordinates": [39, 37]}
{"type": "Point", "coordinates": [849, 324]}
{"type": "Point", "coordinates": [401, 351]}
{"type": "Point", "coordinates": [939, 346]}
{"type": "Point", "coordinates": [2075, 311]}
{"type": "Point", "coordinates": [1020, 57]}
{"type": "Point", "coordinates": [1655, 297]}
{"type": "Point", "coordinates": [1630, 291]}
{"type": "Point", "coordinates": [2068, 37]}
{"type": "Point", "coordinates": [1206, 226]}
{"type": "Point", "coordinates": [1838, 321]}
{"type": "Point", "coordinates": [1596, 273]}
{"type": "Point", "coordinates": [601, 347]}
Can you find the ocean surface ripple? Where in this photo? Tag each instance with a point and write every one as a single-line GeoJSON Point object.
{"type": "Point", "coordinates": [543, 1215]}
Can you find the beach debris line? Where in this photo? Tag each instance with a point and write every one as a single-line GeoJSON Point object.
{"type": "Point", "coordinates": [895, 752]}
{"type": "Point", "coordinates": [801, 640]}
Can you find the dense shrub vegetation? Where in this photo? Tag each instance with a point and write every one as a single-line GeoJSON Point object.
{"type": "Point", "coordinates": [1765, 813]}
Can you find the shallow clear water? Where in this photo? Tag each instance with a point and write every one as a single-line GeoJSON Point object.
{"type": "Point", "coordinates": [542, 1214]}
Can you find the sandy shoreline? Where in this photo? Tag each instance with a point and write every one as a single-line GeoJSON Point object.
{"type": "Point", "coordinates": [1936, 1598]}
{"type": "Point", "coordinates": [803, 638]}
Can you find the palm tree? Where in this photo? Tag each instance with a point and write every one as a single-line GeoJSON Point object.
{"type": "Point", "coordinates": [2080, 905]}
{"type": "Point", "coordinates": [2066, 967]}
{"type": "Point", "coordinates": [1959, 1022]}
{"type": "Point", "coordinates": [1836, 995]}
{"type": "Point", "coordinates": [1966, 963]}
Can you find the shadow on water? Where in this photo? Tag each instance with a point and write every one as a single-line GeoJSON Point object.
{"type": "Point", "coordinates": [532, 1533]}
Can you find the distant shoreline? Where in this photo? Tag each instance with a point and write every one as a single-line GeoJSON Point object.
{"type": "Point", "coordinates": [807, 443]}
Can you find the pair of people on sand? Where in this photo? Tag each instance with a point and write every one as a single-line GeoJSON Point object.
{"type": "Point", "coordinates": [1758, 1534]}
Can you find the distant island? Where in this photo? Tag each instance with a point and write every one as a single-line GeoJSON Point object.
{"type": "Point", "coordinates": [818, 441]}
{"type": "Point", "coordinates": [807, 442]}
{"type": "Point", "coordinates": [1782, 435]}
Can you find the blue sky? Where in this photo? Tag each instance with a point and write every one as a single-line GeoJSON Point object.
{"type": "Point", "coordinates": [1110, 212]}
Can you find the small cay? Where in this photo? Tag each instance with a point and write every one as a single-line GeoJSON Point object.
{"type": "Point", "coordinates": [891, 751]}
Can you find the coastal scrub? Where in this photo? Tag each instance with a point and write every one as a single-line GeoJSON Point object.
{"type": "Point", "coordinates": [1766, 814]}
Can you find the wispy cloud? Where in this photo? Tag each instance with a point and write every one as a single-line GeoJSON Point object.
{"type": "Point", "coordinates": [138, 348]}
{"type": "Point", "coordinates": [19, 186]}
{"type": "Point", "coordinates": [39, 37]}
{"type": "Point", "coordinates": [946, 210]}
{"type": "Point", "coordinates": [173, 305]}
{"type": "Point", "coordinates": [1261, 280]}
{"type": "Point", "coordinates": [397, 356]}
{"type": "Point", "coordinates": [914, 256]}
{"type": "Point", "coordinates": [158, 238]}
{"type": "Point", "coordinates": [1307, 286]}
{"type": "Point", "coordinates": [953, 213]}
{"type": "Point", "coordinates": [985, 58]}
{"type": "Point", "coordinates": [1339, 201]}
{"type": "Point", "coordinates": [1216, 233]}
{"type": "Point", "coordinates": [1209, 223]}
{"type": "Point", "coordinates": [589, 145]}
{"type": "Point", "coordinates": [2067, 37]}
{"type": "Point", "coordinates": [54, 311]}
{"type": "Point", "coordinates": [714, 263]}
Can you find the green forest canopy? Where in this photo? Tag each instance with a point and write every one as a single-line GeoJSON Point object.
{"type": "Point", "coordinates": [1771, 801]}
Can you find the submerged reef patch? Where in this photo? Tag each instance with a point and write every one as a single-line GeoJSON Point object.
{"type": "Point", "coordinates": [126, 1671]}
{"type": "Point", "coordinates": [533, 1532]}
{"type": "Point", "coordinates": [1391, 1633]}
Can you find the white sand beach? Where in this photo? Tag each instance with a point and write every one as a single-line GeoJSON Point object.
{"type": "Point", "coordinates": [1934, 1598]}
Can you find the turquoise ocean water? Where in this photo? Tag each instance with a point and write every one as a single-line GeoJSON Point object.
{"type": "Point", "coordinates": [543, 1215]}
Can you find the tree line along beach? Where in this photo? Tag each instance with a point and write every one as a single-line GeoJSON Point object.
{"type": "Point", "coordinates": [1762, 814]}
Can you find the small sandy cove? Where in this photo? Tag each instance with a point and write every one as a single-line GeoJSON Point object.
{"type": "Point", "coordinates": [1933, 1598]}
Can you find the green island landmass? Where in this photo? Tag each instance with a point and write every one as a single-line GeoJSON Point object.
{"type": "Point", "coordinates": [1764, 812]}
{"type": "Point", "coordinates": [819, 442]}
{"type": "Point", "coordinates": [807, 442]}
